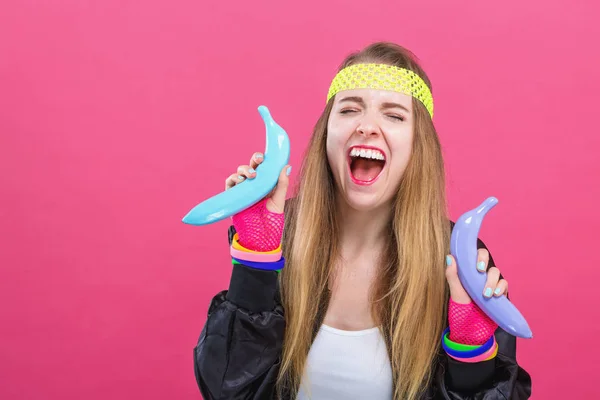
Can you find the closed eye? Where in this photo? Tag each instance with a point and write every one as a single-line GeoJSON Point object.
{"type": "Point", "coordinates": [396, 117]}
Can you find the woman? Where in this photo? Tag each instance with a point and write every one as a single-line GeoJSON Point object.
{"type": "Point", "coordinates": [355, 297]}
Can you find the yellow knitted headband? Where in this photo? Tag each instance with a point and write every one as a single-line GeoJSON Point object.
{"type": "Point", "coordinates": [382, 77]}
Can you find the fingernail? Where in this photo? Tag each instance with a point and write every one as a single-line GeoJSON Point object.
{"type": "Point", "coordinates": [481, 266]}
{"type": "Point", "coordinates": [251, 171]}
{"type": "Point", "coordinates": [259, 156]}
{"type": "Point", "coordinates": [288, 171]}
{"type": "Point", "coordinates": [488, 292]}
{"type": "Point", "coordinates": [448, 261]}
{"type": "Point", "coordinates": [497, 291]}
{"type": "Point", "coordinates": [241, 177]}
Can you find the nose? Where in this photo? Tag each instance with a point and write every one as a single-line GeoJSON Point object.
{"type": "Point", "coordinates": [367, 126]}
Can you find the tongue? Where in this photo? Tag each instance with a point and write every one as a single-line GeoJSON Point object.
{"type": "Point", "coordinates": [366, 170]}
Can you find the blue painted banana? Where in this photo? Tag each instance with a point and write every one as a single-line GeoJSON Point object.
{"type": "Point", "coordinates": [463, 247]}
{"type": "Point", "coordinates": [250, 191]}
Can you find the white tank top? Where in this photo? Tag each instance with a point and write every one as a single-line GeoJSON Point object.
{"type": "Point", "coordinates": [345, 365]}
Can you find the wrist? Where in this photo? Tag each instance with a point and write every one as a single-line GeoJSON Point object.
{"type": "Point", "coordinates": [468, 324]}
{"type": "Point", "coordinates": [271, 260]}
{"type": "Point", "coordinates": [259, 229]}
{"type": "Point", "coordinates": [469, 353]}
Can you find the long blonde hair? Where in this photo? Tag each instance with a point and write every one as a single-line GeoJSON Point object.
{"type": "Point", "coordinates": [410, 291]}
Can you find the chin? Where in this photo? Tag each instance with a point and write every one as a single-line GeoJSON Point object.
{"type": "Point", "coordinates": [365, 201]}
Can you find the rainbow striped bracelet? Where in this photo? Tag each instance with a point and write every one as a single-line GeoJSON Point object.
{"type": "Point", "coordinates": [469, 353]}
{"type": "Point", "coordinates": [266, 266]}
{"type": "Point", "coordinates": [269, 260]}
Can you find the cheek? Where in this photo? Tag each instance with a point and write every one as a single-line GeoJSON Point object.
{"type": "Point", "coordinates": [335, 143]}
{"type": "Point", "coordinates": [401, 156]}
{"type": "Point", "coordinates": [334, 153]}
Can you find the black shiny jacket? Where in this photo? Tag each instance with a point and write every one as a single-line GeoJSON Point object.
{"type": "Point", "coordinates": [238, 353]}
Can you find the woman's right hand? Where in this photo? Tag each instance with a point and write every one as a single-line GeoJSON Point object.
{"type": "Point", "coordinates": [260, 227]}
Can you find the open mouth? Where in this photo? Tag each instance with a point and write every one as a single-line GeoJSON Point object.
{"type": "Point", "coordinates": [366, 164]}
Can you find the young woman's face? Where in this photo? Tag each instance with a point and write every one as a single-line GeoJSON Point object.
{"type": "Point", "coordinates": [369, 142]}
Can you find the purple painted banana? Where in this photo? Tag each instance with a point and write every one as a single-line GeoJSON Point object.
{"type": "Point", "coordinates": [463, 247]}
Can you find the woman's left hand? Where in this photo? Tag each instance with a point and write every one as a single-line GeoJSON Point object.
{"type": "Point", "coordinates": [467, 322]}
{"type": "Point", "coordinates": [493, 287]}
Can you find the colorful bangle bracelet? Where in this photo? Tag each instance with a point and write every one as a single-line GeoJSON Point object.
{"type": "Point", "coordinates": [456, 345]}
{"type": "Point", "coordinates": [483, 357]}
{"type": "Point", "coordinates": [459, 346]}
{"type": "Point", "coordinates": [469, 353]}
{"type": "Point", "coordinates": [494, 354]}
{"type": "Point", "coordinates": [256, 257]}
{"type": "Point", "coordinates": [488, 355]}
{"type": "Point", "coordinates": [236, 245]}
{"type": "Point", "coordinates": [269, 266]}
{"type": "Point", "coordinates": [481, 349]}
{"type": "Point", "coordinates": [235, 262]}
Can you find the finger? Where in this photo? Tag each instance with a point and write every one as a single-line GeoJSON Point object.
{"type": "Point", "coordinates": [457, 291]}
{"type": "Point", "coordinates": [233, 180]}
{"type": "Point", "coordinates": [247, 171]}
{"type": "Point", "coordinates": [501, 288]}
{"type": "Point", "coordinates": [276, 203]}
{"type": "Point", "coordinates": [493, 275]}
{"type": "Point", "coordinates": [483, 258]}
{"type": "Point", "coordinates": [256, 159]}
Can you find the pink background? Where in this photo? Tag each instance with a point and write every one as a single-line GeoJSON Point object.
{"type": "Point", "coordinates": [117, 117]}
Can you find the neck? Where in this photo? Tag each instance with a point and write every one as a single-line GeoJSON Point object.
{"type": "Point", "coordinates": [362, 230]}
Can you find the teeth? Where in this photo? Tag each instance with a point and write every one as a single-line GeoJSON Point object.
{"type": "Point", "coordinates": [367, 153]}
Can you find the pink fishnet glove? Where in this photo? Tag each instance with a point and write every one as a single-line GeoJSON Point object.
{"type": "Point", "coordinates": [258, 228]}
{"type": "Point", "coordinates": [468, 324]}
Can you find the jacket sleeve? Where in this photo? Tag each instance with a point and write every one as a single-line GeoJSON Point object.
{"type": "Point", "coordinates": [498, 379]}
{"type": "Point", "coordinates": [238, 352]}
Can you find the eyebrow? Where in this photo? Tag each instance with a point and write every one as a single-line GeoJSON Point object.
{"type": "Point", "coordinates": [394, 105]}
{"type": "Point", "coordinates": [387, 104]}
{"type": "Point", "coordinates": [355, 99]}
